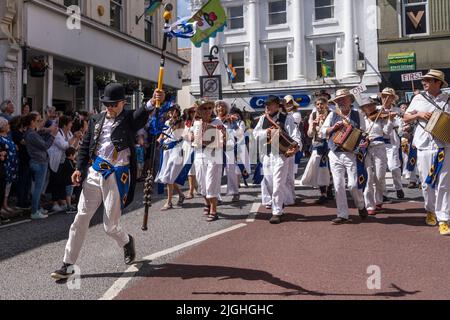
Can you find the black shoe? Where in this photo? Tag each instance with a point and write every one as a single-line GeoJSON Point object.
{"type": "Point", "coordinates": [339, 221]}
{"type": "Point", "coordinates": [400, 194]}
{"type": "Point", "coordinates": [275, 220]}
{"type": "Point", "coordinates": [330, 195]}
{"type": "Point", "coordinates": [63, 273]}
{"type": "Point", "coordinates": [386, 199]}
{"type": "Point", "coordinates": [412, 185]}
{"type": "Point", "coordinates": [363, 213]}
{"type": "Point", "coordinates": [129, 251]}
{"type": "Point", "coordinates": [322, 200]}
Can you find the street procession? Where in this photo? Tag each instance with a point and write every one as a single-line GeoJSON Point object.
{"type": "Point", "coordinates": [224, 149]}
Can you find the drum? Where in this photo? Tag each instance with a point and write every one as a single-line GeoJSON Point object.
{"type": "Point", "coordinates": [439, 126]}
{"type": "Point", "coordinates": [348, 138]}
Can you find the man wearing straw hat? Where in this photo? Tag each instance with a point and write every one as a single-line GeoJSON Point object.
{"type": "Point", "coordinates": [393, 141]}
{"type": "Point", "coordinates": [342, 162]}
{"type": "Point", "coordinates": [433, 155]}
{"type": "Point", "coordinates": [376, 159]}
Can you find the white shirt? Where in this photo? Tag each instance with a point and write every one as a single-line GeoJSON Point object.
{"type": "Point", "coordinates": [423, 140]}
{"type": "Point", "coordinates": [56, 153]}
{"type": "Point", "coordinates": [106, 149]}
{"type": "Point", "coordinates": [200, 152]}
{"type": "Point", "coordinates": [381, 128]}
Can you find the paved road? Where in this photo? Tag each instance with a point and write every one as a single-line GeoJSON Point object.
{"type": "Point", "coordinates": [184, 257]}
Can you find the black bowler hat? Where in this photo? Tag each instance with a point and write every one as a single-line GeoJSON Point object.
{"type": "Point", "coordinates": [274, 99]}
{"type": "Point", "coordinates": [114, 92]}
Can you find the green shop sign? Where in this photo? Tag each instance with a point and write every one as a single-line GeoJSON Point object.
{"type": "Point", "coordinates": [404, 61]}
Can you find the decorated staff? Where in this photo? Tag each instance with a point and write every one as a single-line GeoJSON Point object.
{"type": "Point", "coordinates": [180, 29]}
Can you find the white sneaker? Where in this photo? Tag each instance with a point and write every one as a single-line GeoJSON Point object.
{"type": "Point", "coordinates": [38, 216]}
{"type": "Point", "coordinates": [57, 208]}
{"type": "Point", "coordinates": [43, 211]}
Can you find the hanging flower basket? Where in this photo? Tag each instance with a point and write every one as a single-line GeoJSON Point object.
{"type": "Point", "coordinates": [38, 66]}
{"type": "Point", "coordinates": [74, 76]}
{"type": "Point", "coordinates": [102, 80]}
{"type": "Point", "coordinates": [131, 87]}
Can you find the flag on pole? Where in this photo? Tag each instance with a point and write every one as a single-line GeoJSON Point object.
{"type": "Point", "coordinates": [211, 19]}
{"type": "Point", "coordinates": [231, 71]}
{"type": "Point", "coordinates": [152, 6]}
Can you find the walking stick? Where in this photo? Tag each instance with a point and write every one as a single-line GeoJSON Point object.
{"type": "Point", "coordinates": [149, 181]}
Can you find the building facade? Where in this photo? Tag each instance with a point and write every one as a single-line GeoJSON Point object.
{"type": "Point", "coordinates": [61, 52]}
{"type": "Point", "coordinates": [293, 47]}
{"type": "Point", "coordinates": [419, 30]}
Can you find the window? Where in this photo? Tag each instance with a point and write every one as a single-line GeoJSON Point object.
{"type": "Point", "coordinates": [116, 14]}
{"type": "Point", "coordinates": [236, 17]}
{"type": "Point", "coordinates": [277, 12]}
{"type": "Point", "coordinates": [415, 17]}
{"type": "Point", "coordinates": [323, 9]}
{"type": "Point", "coordinates": [326, 60]}
{"type": "Point", "coordinates": [236, 59]}
{"type": "Point", "coordinates": [278, 64]}
{"type": "Point", "coordinates": [69, 3]}
{"type": "Point", "coordinates": [149, 30]}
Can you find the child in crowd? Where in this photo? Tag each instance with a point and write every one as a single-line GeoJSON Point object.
{"type": "Point", "coordinates": [140, 155]}
{"type": "Point", "coordinates": [66, 170]}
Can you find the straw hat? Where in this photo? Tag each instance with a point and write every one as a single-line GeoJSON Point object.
{"type": "Point", "coordinates": [367, 101]}
{"type": "Point", "coordinates": [342, 93]}
{"type": "Point", "coordinates": [289, 99]}
{"type": "Point", "coordinates": [438, 75]}
{"type": "Point", "coordinates": [389, 92]}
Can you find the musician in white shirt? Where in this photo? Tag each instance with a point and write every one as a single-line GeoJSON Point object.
{"type": "Point", "coordinates": [274, 163]}
{"type": "Point", "coordinates": [342, 162]}
{"type": "Point", "coordinates": [437, 199]}
{"type": "Point", "coordinates": [393, 141]}
{"type": "Point", "coordinates": [379, 124]}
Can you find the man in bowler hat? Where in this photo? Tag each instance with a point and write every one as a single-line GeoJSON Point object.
{"type": "Point", "coordinates": [106, 168]}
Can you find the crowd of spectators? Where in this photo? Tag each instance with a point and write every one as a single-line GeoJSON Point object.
{"type": "Point", "coordinates": [37, 159]}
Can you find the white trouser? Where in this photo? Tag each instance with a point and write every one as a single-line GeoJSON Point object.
{"type": "Point", "coordinates": [436, 200]}
{"type": "Point", "coordinates": [394, 165]}
{"type": "Point", "coordinates": [232, 179]}
{"type": "Point", "coordinates": [376, 164]}
{"type": "Point", "coordinates": [275, 176]}
{"type": "Point", "coordinates": [341, 163]}
{"type": "Point", "coordinates": [290, 183]}
{"type": "Point", "coordinates": [95, 191]}
{"type": "Point", "coordinates": [208, 174]}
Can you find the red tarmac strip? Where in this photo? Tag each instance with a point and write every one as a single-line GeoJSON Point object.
{"type": "Point", "coordinates": [308, 258]}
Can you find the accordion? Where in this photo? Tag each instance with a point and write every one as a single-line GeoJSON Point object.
{"type": "Point", "coordinates": [439, 126]}
{"type": "Point", "coordinates": [348, 138]}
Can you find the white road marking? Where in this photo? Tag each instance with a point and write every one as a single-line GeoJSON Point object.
{"type": "Point", "coordinates": [120, 283]}
{"type": "Point", "coordinates": [253, 212]}
{"type": "Point", "coordinates": [14, 223]}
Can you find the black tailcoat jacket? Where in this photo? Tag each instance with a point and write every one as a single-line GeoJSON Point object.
{"type": "Point", "coordinates": [123, 134]}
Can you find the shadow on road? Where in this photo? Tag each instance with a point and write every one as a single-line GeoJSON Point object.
{"type": "Point", "coordinates": [222, 273]}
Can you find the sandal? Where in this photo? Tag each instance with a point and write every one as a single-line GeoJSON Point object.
{"type": "Point", "coordinates": [206, 210]}
{"type": "Point", "coordinates": [212, 217]}
{"type": "Point", "coordinates": [189, 197]}
{"type": "Point", "coordinates": [181, 201]}
{"type": "Point", "coordinates": [167, 206]}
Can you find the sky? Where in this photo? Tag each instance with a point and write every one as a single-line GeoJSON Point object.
{"type": "Point", "coordinates": [183, 11]}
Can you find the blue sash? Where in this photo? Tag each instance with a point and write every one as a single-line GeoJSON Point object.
{"type": "Point", "coordinates": [438, 162]}
{"type": "Point", "coordinates": [182, 177]}
{"type": "Point", "coordinates": [381, 139]}
{"type": "Point", "coordinates": [361, 170]}
{"type": "Point", "coordinates": [258, 175]}
{"type": "Point", "coordinates": [122, 174]}
{"type": "Point", "coordinates": [412, 158]}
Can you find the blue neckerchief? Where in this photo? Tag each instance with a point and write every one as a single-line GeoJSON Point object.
{"type": "Point", "coordinates": [122, 174]}
{"type": "Point", "coordinates": [435, 170]}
